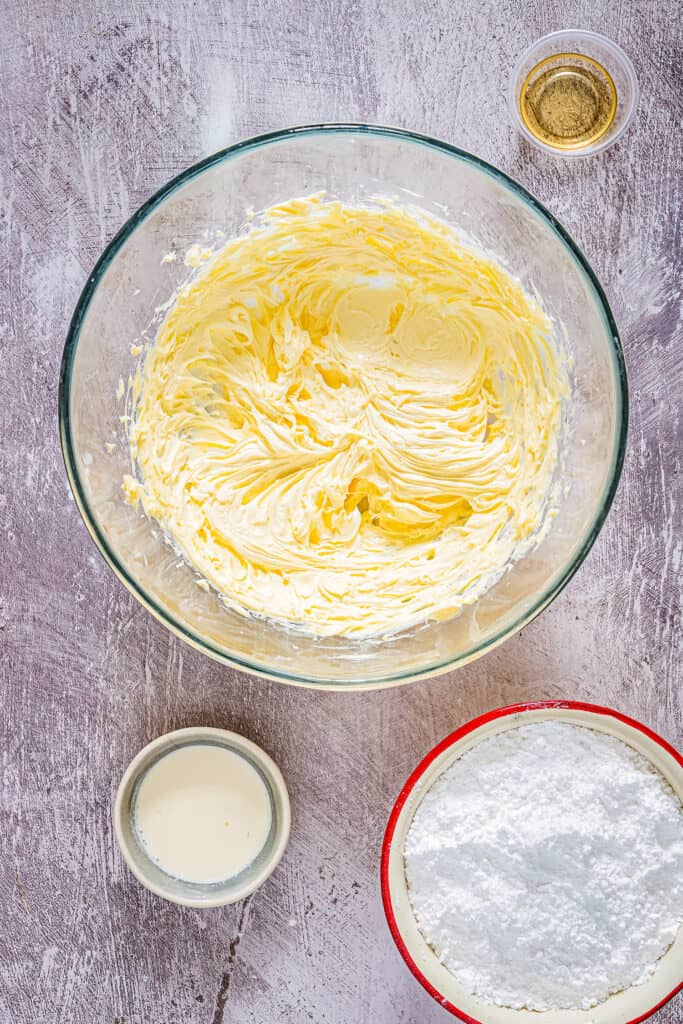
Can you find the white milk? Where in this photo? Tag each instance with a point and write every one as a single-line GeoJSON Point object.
{"type": "Point", "coordinates": [202, 813]}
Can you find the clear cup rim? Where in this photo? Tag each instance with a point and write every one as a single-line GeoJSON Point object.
{"type": "Point", "coordinates": [539, 47]}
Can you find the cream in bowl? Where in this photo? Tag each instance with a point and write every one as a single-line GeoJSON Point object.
{"type": "Point", "coordinates": [202, 816]}
{"type": "Point", "coordinates": [534, 864]}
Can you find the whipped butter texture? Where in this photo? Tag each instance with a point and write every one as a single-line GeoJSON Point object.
{"type": "Point", "coordinates": [349, 420]}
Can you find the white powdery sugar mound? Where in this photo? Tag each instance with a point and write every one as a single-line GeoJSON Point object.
{"type": "Point", "coordinates": [545, 867]}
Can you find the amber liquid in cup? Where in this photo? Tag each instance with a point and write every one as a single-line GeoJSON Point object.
{"type": "Point", "coordinates": [568, 101]}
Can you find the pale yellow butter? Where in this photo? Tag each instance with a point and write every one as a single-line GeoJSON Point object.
{"type": "Point", "coordinates": [349, 420]}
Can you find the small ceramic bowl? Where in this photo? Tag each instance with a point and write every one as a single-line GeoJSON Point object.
{"type": "Point", "coordinates": [196, 894]}
{"type": "Point", "coordinates": [628, 1007]}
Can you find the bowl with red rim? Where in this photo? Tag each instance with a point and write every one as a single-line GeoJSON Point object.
{"type": "Point", "coordinates": [630, 1006]}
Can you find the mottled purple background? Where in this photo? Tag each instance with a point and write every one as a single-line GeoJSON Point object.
{"type": "Point", "coordinates": [100, 103]}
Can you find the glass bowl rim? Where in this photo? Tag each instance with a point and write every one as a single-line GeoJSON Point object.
{"type": "Point", "coordinates": [71, 345]}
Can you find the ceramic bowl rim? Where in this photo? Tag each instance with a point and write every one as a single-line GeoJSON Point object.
{"type": "Point", "coordinates": [445, 747]}
{"type": "Point", "coordinates": [184, 737]}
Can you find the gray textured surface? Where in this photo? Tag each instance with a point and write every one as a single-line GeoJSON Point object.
{"type": "Point", "coordinates": [99, 104]}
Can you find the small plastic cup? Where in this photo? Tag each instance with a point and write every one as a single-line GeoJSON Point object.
{"type": "Point", "coordinates": [595, 50]}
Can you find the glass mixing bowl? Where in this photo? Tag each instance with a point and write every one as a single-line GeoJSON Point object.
{"type": "Point", "coordinates": [123, 296]}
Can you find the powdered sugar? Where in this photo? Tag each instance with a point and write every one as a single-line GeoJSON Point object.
{"type": "Point", "coordinates": [545, 867]}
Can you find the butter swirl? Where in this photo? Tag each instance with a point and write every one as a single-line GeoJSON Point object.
{"type": "Point", "coordinates": [349, 419]}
